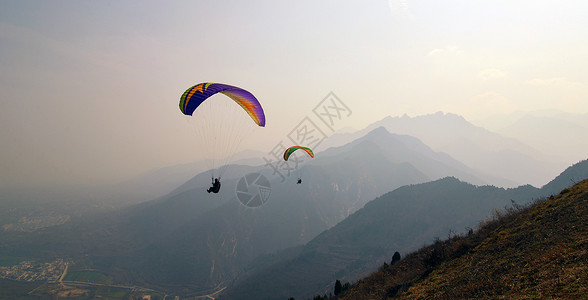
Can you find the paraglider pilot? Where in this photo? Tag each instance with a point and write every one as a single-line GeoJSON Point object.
{"type": "Point", "coordinates": [215, 186]}
{"type": "Point", "coordinates": [299, 181]}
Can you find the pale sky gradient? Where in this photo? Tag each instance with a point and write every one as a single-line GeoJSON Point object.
{"type": "Point", "coordinates": [89, 90]}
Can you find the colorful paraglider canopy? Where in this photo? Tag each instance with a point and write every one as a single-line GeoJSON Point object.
{"type": "Point", "coordinates": [197, 94]}
{"type": "Point", "coordinates": [291, 150]}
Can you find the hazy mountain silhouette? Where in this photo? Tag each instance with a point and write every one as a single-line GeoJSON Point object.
{"type": "Point", "coordinates": [509, 161]}
{"type": "Point", "coordinates": [570, 176]}
{"type": "Point", "coordinates": [190, 241]}
{"type": "Point", "coordinates": [402, 148]}
{"type": "Point", "coordinates": [402, 220]}
{"type": "Point", "coordinates": [549, 132]}
{"type": "Point", "coordinates": [161, 181]}
{"type": "Point", "coordinates": [215, 246]}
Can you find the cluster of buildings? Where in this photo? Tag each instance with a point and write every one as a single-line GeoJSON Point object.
{"type": "Point", "coordinates": [35, 271]}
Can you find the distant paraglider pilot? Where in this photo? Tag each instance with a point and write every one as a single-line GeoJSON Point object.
{"type": "Point", "coordinates": [215, 186]}
{"type": "Point", "coordinates": [291, 150]}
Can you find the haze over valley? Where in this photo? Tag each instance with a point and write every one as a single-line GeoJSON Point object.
{"type": "Point", "coordinates": [308, 150]}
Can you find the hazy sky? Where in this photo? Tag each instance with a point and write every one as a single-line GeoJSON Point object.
{"type": "Point", "coordinates": [89, 90]}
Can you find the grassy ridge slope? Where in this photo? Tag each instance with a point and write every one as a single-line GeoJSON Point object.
{"type": "Point", "coordinates": [539, 251]}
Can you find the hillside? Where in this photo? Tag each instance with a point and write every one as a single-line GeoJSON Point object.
{"type": "Point", "coordinates": [570, 176]}
{"type": "Point", "coordinates": [188, 242]}
{"type": "Point", "coordinates": [534, 252]}
{"type": "Point", "coordinates": [507, 161]}
{"type": "Point", "coordinates": [402, 220]}
{"type": "Point", "coordinates": [213, 247]}
{"type": "Point", "coordinates": [399, 149]}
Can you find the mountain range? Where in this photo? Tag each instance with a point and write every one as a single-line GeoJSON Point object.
{"type": "Point", "coordinates": [508, 160]}
{"type": "Point", "coordinates": [545, 132]}
{"type": "Point", "coordinates": [402, 220]}
{"type": "Point", "coordinates": [188, 242]}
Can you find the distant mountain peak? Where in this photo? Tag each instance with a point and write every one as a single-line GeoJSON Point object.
{"type": "Point", "coordinates": [440, 115]}
{"type": "Point", "coordinates": [381, 136]}
{"type": "Point", "coordinates": [380, 131]}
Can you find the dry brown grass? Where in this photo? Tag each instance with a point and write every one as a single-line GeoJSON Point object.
{"type": "Point", "coordinates": [534, 252]}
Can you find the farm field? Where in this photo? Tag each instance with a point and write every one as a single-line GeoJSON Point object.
{"type": "Point", "coordinates": [18, 290]}
{"type": "Point", "coordinates": [87, 276]}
